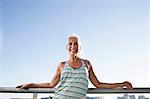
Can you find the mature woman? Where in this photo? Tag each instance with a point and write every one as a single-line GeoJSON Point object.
{"type": "Point", "coordinates": [73, 74]}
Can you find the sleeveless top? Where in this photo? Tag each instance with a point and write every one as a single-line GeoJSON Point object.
{"type": "Point", "coordinates": [73, 82]}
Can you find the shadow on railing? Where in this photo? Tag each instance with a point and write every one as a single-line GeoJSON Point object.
{"type": "Point", "coordinates": [35, 91]}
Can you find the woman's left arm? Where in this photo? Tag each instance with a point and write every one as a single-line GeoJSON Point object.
{"type": "Point", "coordinates": [98, 84]}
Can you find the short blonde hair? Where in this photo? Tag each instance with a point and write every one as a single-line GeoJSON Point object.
{"type": "Point", "coordinates": [75, 36]}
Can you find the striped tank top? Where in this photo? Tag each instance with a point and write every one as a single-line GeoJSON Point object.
{"type": "Point", "coordinates": [73, 83]}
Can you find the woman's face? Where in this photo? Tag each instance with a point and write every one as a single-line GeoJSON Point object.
{"type": "Point", "coordinates": [72, 46]}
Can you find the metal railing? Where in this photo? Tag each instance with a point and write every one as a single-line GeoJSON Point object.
{"type": "Point", "coordinates": [36, 91]}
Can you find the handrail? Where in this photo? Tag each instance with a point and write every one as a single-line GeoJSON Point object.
{"type": "Point", "coordinates": [90, 90]}
{"type": "Point", "coordinates": [35, 91]}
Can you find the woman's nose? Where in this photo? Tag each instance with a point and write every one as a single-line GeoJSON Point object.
{"type": "Point", "coordinates": [72, 46]}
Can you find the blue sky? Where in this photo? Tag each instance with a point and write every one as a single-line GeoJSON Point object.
{"type": "Point", "coordinates": [114, 36]}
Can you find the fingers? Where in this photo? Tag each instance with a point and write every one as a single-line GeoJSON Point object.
{"type": "Point", "coordinates": [128, 85]}
{"type": "Point", "coordinates": [23, 86]}
{"type": "Point", "coordinates": [19, 86]}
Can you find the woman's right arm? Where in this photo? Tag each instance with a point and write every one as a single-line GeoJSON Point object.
{"type": "Point", "coordinates": [55, 80]}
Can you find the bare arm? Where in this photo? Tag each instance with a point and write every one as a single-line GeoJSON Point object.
{"type": "Point", "coordinates": [55, 80]}
{"type": "Point", "coordinates": [98, 84]}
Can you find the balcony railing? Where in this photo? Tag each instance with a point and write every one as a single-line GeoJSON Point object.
{"type": "Point", "coordinates": [36, 91]}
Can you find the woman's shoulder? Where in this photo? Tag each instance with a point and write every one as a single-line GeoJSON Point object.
{"type": "Point", "coordinates": [85, 60]}
{"type": "Point", "coordinates": [61, 65]}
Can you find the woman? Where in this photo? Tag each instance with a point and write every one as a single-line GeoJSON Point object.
{"type": "Point", "coordinates": [73, 74]}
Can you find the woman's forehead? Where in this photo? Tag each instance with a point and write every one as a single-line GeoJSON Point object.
{"type": "Point", "coordinates": [73, 39]}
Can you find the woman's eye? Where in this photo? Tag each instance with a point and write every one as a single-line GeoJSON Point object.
{"type": "Point", "coordinates": [76, 43]}
{"type": "Point", "coordinates": [73, 43]}
{"type": "Point", "coordinates": [70, 43]}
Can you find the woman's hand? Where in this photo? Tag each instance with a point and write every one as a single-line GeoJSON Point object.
{"type": "Point", "coordinates": [24, 86]}
{"type": "Point", "coordinates": [128, 85]}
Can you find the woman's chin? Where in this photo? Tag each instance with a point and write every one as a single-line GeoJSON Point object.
{"type": "Point", "coordinates": [72, 54]}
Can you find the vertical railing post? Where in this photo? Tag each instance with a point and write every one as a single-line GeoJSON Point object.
{"type": "Point", "coordinates": [35, 95]}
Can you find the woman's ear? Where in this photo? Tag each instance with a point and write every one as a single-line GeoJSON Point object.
{"type": "Point", "coordinates": [79, 47]}
{"type": "Point", "coordinates": [66, 47]}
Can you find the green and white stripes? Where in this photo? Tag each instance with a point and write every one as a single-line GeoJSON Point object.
{"type": "Point", "coordinates": [73, 83]}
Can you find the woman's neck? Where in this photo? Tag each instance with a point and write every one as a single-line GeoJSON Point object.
{"type": "Point", "coordinates": [73, 58]}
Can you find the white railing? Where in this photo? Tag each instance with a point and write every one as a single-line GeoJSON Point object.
{"type": "Point", "coordinates": [36, 91]}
